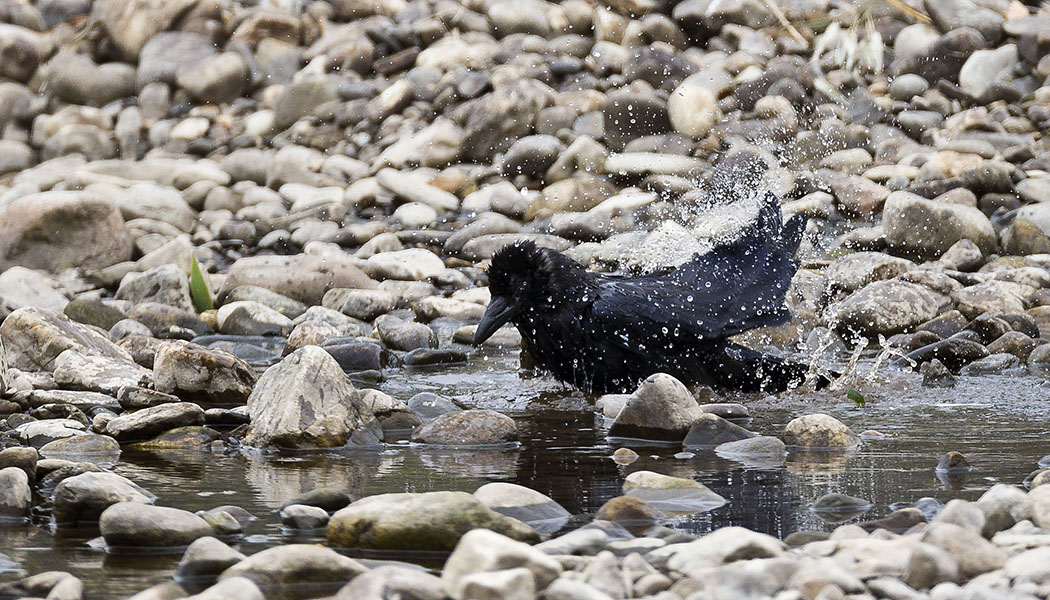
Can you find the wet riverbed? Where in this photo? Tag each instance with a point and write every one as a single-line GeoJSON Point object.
{"type": "Point", "coordinates": [999, 423]}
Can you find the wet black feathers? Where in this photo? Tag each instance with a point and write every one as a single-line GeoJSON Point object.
{"type": "Point", "coordinates": [605, 333]}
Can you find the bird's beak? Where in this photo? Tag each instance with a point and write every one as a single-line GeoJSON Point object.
{"type": "Point", "coordinates": [500, 311]}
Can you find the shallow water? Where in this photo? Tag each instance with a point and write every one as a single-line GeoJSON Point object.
{"type": "Point", "coordinates": [999, 423]}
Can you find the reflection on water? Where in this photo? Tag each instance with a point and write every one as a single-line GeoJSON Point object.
{"type": "Point", "coordinates": [1000, 424]}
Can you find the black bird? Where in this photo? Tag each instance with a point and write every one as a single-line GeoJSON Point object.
{"type": "Point", "coordinates": [606, 333]}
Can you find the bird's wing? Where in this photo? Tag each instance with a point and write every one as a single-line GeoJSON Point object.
{"type": "Point", "coordinates": [736, 286]}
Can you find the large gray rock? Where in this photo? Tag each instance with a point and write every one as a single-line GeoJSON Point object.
{"type": "Point", "coordinates": [306, 401]}
{"type": "Point", "coordinates": [661, 408]}
{"type": "Point", "coordinates": [483, 551]}
{"type": "Point", "coordinates": [854, 271]}
{"type": "Point", "coordinates": [149, 422]}
{"type": "Point", "coordinates": [886, 307]}
{"type": "Point", "coordinates": [167, 284]}
{"type": "Point", "coordinates": [137, 525]}
{"type": "Point", "coordinates": [35, 337]}
{"type": "Point", "coordinates": [283, 570]}
{"type": "Point", "coordinates": [722, 546]}
{"type": "Point", "coordinates": [304, 277]}
{"type": "Point", "coordinates": [82, 498]}
{"type": "Point", "coordinates": [926, 229]}
{"type": "Point", "coordinates": [54, 231]}
{"type": "Point", "coordinates": [426, 521]}
{"type": "Point", "coordinates": [40, 433]}
{"type": "Point", "coordinates": [467, 428]}
{"type": "Point", "coordinates": [21, 287]}
{"type": "Point", "coordinates": [75, 370]}
{"type": "Point", "coordinates": [16, 497]}
{"type": "Point", "coordinates": [199, 374]}
{"type": "Point", "coordinates": [995, 295]}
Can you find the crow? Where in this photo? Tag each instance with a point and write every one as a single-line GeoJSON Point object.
{"type": "Point", "coordinates": [606, 333]}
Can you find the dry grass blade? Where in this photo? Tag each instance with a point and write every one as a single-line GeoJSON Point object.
{"type": "Point", "coordinates": [785, 23]}
{"type": "Point", "coordinates": [911, 12]}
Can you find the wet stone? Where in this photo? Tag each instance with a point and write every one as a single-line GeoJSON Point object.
{"type": "Point", "coordinates": [328, 499]}
{"type": "Point", "coordinates": [426, 521]}
{"type": "Point", "coordinates": [467, 428]}
{"type": "Point", "coordinates": [526, 505]}
{"type": "Point", "coordinates": [819, 431]}
{"type": "Point", "coordinates": [302, 517]}
{"type": "Point", "coordinates": [206, 557]}
{"type": "Point", "coordinates": [631, 512]}
{"type": "Point", "coordinates": [671, 495]}
{"type": "Point", "coordinates": [661, 408]}
{"type": "Point", "coordinates": [710, 430]}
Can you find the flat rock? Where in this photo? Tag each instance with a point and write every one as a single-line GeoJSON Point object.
{"type": "Point", "coordinates": [671, 495]}
{"type": "Point", "coordinates": [886, 307]}
{"type": "Point", "coordinates": [149, 422]}
{"type": "Point", "coordinates": [137, 525]}
{"type": "Point", "coordinates": [75, 370]}
{"type": "Point", "coordinates": [200, 374]}
{"type": "Point", "coordinates": [35, 337]}
{"type": "Point", "coordinates": [478, 427]}
{"type": "Point", "coordinates": [425, 521]}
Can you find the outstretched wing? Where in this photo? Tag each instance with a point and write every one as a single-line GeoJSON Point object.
{"type": "Point", "coordinates": [735, 287]}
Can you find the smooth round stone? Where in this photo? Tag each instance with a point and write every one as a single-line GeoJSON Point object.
{"type": "Point", "coordinates": [206, 557]}
{"type": "Point", "coordinates": [132, 524]}
{"type": "Point", "coordinates": [303, 517]}
{"type": "Point", "coordinates": [414, 215]}
{"type": "Point", "coordinates": [908, 86]}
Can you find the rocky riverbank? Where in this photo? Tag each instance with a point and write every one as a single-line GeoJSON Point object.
{"type": "Point", "coordinates": [341, 171]}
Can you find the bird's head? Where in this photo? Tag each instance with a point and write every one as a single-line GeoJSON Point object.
{"type": "Point", "coordinates": [524, 277]}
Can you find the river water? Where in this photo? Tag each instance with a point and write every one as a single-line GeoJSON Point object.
{"type": "Point", "coordinates": [1000, 423]}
